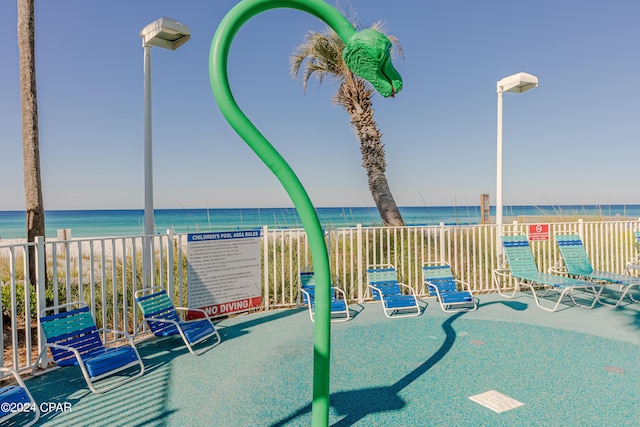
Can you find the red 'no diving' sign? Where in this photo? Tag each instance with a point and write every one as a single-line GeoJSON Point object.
{"type": "Point", "coordinates": [539, 232]}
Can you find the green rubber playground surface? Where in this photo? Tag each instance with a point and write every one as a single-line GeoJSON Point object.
{"type": "Point", "coordinates": [575, 367]}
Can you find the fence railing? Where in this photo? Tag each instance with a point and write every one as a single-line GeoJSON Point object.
{"type": "Point", "coordinates": [106, 272]}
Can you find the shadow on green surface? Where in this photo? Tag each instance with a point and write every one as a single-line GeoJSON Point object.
{"type": "Point", "coordinates": [354, 405]}
{"type": "Point", "coordinates": [145, 396]}
{"type": "Point", "coordinates": [242, 328]}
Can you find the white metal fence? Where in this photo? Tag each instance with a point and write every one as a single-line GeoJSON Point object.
{"type": "Point", "coordinates": [106, 272]}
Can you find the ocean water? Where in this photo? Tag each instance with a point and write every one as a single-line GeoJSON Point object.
{"type": "Point", "coordinates": [107, 223]}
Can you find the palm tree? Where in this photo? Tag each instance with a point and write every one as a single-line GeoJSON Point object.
{"type": "Point", "coordinates": [30, 139]}
{"type": "Point", "coordinates": [320, 55]}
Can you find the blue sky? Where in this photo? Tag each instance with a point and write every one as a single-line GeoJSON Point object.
{"type": "Point", "coordinates": [573, 140]}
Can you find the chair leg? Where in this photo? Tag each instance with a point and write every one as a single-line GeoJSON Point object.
{"type": "Point", "coordinates": [42, 353]}
{"type": "Point", "coordinates": [392, 312]}
{"type": "Point", "coordinates": [496, 281]}
{"type": "Point", "coordinates": [565, 292]}
{"type": "Point", "coordinates": [624, 293]}
{"type": "Point", "coordinates": [204, 350]}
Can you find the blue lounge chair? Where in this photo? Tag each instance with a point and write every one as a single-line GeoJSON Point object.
{"type": "Point", "coordinates": [16, 399]}
{"type": "Point", "coordinates": [383, 282]}
{"type": "Point", "coordinates": [163, 320]}
{"type": "Point", "coordinates": [74, 340]}
{"type": "Point", "coordinates": [521, 266]}
{"type": "Point", "coordinates": [339, 308]}
{"type": "Point", "coordinates": [577, 264]}
{"type": "Point", "coordinates": [454, 295]}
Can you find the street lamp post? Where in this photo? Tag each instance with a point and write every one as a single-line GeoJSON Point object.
{"type": "Point", "coordinates": [516, 83]}
{"type": "Point", "coordinates": [169, 34]}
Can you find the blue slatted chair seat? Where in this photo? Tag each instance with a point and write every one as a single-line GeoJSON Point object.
{"type": "Point", "coordinates": [77, 329]}
{"type": "Point", "coordinates": [109, 359]}
{"type": "Point", "coordinates": [441, 283]}
{"type": "Point", "coordinates": [336, 304]}
{"type": "Point", "coordinates": [157, 306]}
{"type": "Point", "coordinates": [308, 283]}
{"type": "Point", "coordinates": [388, 289]}
{"type": "Point", "coordinates": [338, 307]}
{"type": "Point", "coordinates": [17, 396]}
{"type": "Point", "coordinates": [197, 329]}
{"type": "Point", "coordinates": [385, 287]}
{"type": "Point", "coordinates": [58, 329]}
{"type": "Point", "coordinates": [456, 297]}
{"type": "Point", "coordinates": [399, 301]}
{"type": "Point", "coordinates": [12, 394]}
{"type": "Point", "coordinates": [446, 284]}
{"type": "Point", "coordinates": [87, 344]}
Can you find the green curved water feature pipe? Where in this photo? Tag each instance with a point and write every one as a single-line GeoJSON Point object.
{"type": "Point", "coordinates": [367, 54]}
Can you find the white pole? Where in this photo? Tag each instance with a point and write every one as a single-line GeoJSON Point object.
{"type": "Point", "coordinates": [499, 165]}
{"type": "Point", "coordinates": [148, 173]}
{"type": "Point", "coordinates": [499, 181]}
{"type": "Point", "coordinates": [148, 152]}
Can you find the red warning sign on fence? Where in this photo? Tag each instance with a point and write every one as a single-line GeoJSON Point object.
{"type": "Point", "coordinates": [539, 232]}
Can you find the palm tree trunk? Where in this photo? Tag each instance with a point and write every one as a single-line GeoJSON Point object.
{"type": "Point", "coordinates": [30, 139]}
{"type": "Point", "coordinates": [374, 163]}
{"type": "Point", "coordinates": [357, 101]}
{"type": "Point", "coordinates": [385, 203]}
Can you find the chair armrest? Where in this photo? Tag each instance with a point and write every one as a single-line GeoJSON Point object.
{"type": "Point", "coordinates": [502, 272]}
{"type": "Point", "coordinates": [413, 292]}
{"type": "Point", "coordinates": [116, 333]}
{"type": "Point", "coordinates": [160, 320]}
{"type": "Point", "coordinates": [374, 288]}
{"type": "Point", "coordinates": [340, 291]}
{"type": "Point", "coordinates": [73, 350]}
{"type": "Point", "coordinates": [465, 286]}
{"type": "Point", "coordinates": [199, 310]}
{"type": "Point", "coordinates": [64, 347]}
{"type": "Point", "coordinates": [431, 288]}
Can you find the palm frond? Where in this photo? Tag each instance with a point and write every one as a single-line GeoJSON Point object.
{"type": "Point", "coordinates": [319, 55]}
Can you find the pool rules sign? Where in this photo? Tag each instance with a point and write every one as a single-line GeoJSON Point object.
{"type": "Point", "coordinates": [538, 232]}
{"type": "Point", "coordinates": [224, 271]}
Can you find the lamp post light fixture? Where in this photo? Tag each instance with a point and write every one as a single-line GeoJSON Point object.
{"type": "Point", "coordinates": [169, 34]}
{"type": "Point", "coordinates": [516, 83]}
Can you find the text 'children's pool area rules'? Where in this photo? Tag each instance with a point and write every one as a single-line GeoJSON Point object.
{"type": "Point", "coordinates": [224, 271]}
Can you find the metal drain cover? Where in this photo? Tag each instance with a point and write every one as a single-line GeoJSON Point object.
{"type": "Point", "coordinates": [496, 401]}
